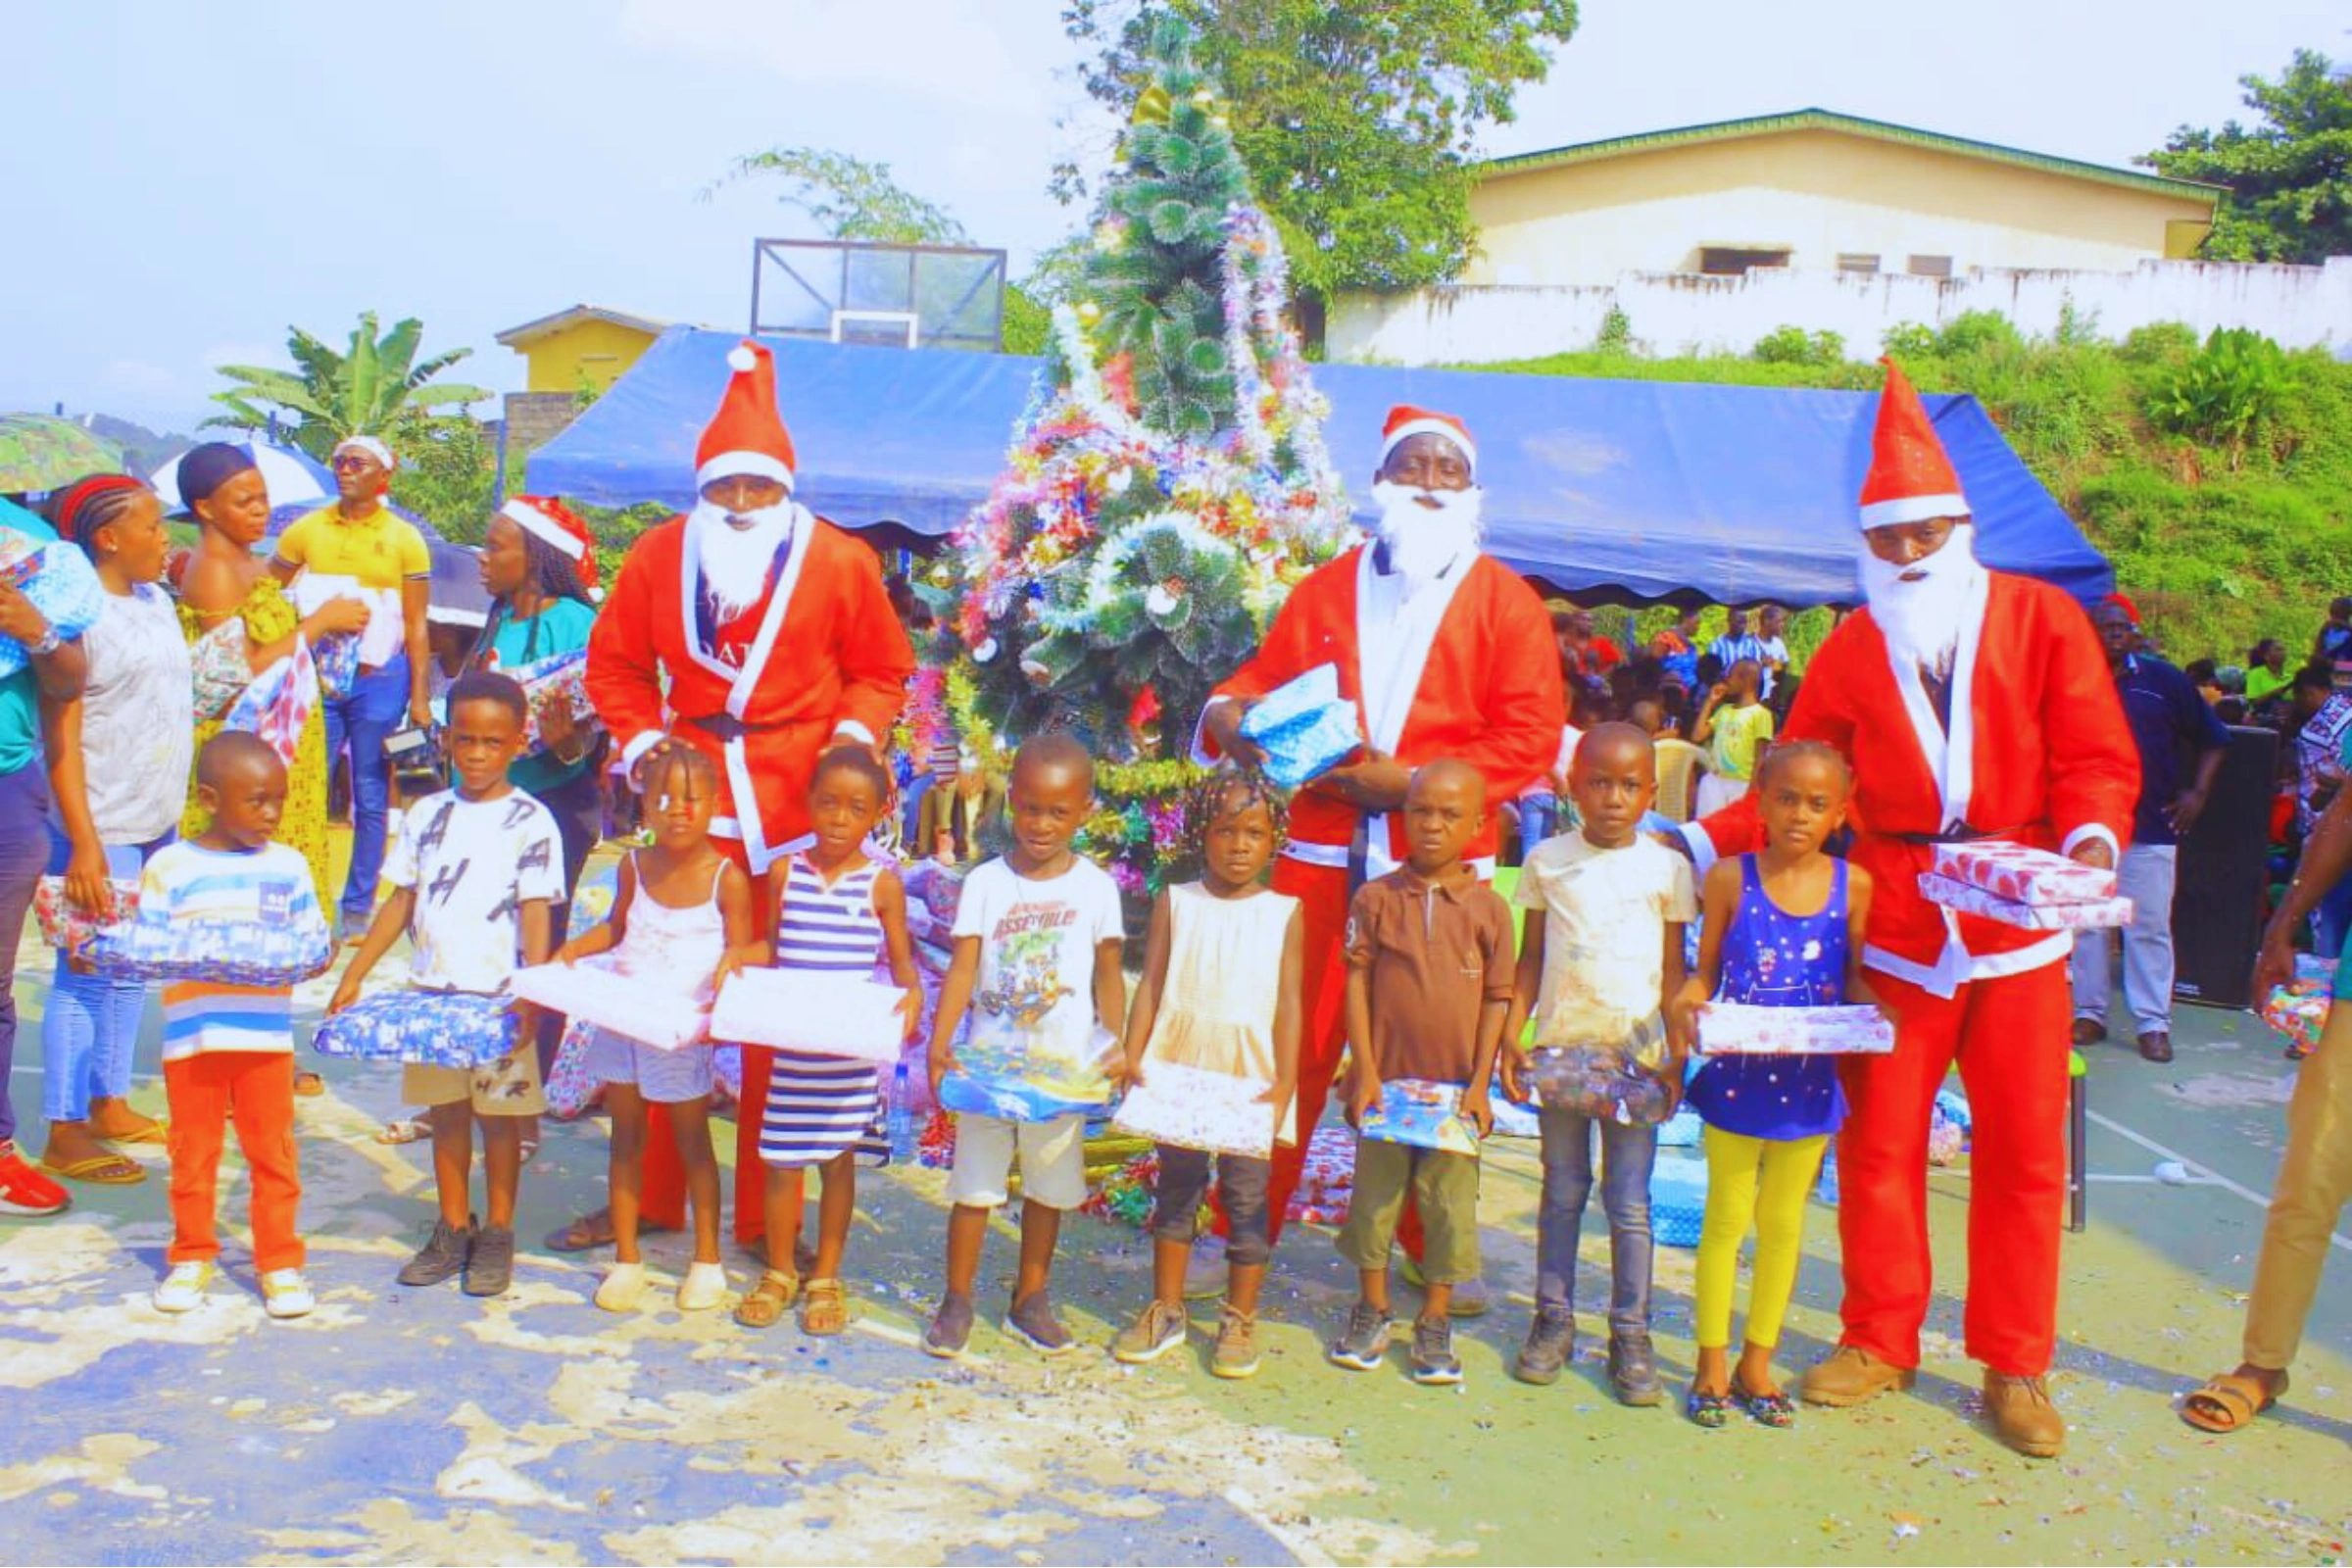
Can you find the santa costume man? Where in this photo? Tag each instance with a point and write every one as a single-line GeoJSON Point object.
{"type": "Point", "coordinates": [776, 640]}
{"type": "Point", "coordinates": [1971, 705]}
{"type": "Point", "coordinates": [1447, 652]}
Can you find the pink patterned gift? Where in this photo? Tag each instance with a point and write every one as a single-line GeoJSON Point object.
{"type": "Point", "coordinates": [1193, 1107]}
{"type": "Point", "coordinates": [1732, 1028]}
{"type": "Point", "coordinates": [2089, 915]}
{"type": "Point", "coordinates": [67, 925]}
{"type": "Point", "coordinates": [2023, 875]}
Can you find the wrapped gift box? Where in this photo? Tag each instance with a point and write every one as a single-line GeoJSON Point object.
{"type": "Point", "coordinates": [2023, 875]}
{"type": "Point", "coordinates": [429, 1028]}
{"type": "Point", "coordinates": [1422, 1113]}
{"type": "Point", "coordinates": [1731, 1028]}
{"type": "Point", "coordinates": [595, 989]}
{"type": "Point", "coordinates": [235, 952]}
{"type": "Point", "coordinates": [1303, 727]}
{"type": "Point", "coordinates": [59, 580]}
{"type": "Point", "coordinates": [1968, 898]}
{"type": "Point", "coordinates": [1326, 1182]}
{"type": "Point", "coordinates": [2298, 1010]}
{"type": "Point", "coordinates": [1020, 1086]}
{"type": "Point", "coordinates": [67, 925]}
{"type": "Point", "coordinates": [561, 679]}
{"type": "Point", "coordinates": [1193, 1107]}
{"type": "Point", "coordinates": [822, 1014]}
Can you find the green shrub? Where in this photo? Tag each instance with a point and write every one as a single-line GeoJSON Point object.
{"type": "Point", "coordinates": [1909, 343]}
{"type": "Point", "coordinates": [1793, 345]}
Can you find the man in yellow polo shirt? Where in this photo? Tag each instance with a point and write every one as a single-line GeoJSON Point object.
{"type": "Point", "coordinates": [358, 547]}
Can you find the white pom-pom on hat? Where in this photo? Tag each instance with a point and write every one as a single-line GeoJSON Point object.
{"type": "Point", "coordinates": [739, 357]}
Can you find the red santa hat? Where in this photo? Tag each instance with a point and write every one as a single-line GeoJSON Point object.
{"type": "Point", "coordinates": [548, 520]}
{"type": "Point", "coordinates": [1911, 480]}
{"type": "Point", "coordinates": [747, 435]}
{"type": "Point", "coordinates": [1405, 421]}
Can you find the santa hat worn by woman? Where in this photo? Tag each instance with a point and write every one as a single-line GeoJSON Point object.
{"type": "Point", "coordinates": [560, 528]}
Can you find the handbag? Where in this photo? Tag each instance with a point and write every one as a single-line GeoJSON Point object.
{"type": "Point", "coordinates": [1603, 1084]}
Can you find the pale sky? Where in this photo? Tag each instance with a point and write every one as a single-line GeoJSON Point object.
{"type": "Point", "coordinates": [182, 183]}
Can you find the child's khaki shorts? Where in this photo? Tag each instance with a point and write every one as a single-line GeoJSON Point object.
{"type": "Point", "coordinates": [507, 1086]}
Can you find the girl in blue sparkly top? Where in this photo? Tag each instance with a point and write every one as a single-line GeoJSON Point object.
{"type": "Point", "coordinates": [1781, 928]}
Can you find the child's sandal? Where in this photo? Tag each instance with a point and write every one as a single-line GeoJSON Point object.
{"type": "Point", "coordinates": [824, 1307]}
{"type": "Point", "coordinates": [1767, 1409]}
{"type": "Point", "coordinates": [1709, 1410]}
{"type": "Point", "coordinates": [768, 1300]}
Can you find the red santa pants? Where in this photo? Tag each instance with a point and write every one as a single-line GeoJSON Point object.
{"type": "Point", "coordinates": [2009, 1037]}
{"type": "Point", "coordinates": [664, 1183]}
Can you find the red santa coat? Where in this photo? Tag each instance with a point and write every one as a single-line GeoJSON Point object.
{"type": "Point", "coordinates": [1485, 686]}
{"type": "Point", "coordinates": [824, 651]}
{"type": "Point", "coordinates": [2039, 753]}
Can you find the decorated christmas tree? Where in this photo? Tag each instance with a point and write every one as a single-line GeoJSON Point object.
{"type": "Point", "coordinates": [1169, 482]}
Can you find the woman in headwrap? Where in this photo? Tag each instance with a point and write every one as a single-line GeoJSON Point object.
{"type": "Point", "coordinates": [240, 623]}
{"type": "Point", "coordinates": [118, 758]}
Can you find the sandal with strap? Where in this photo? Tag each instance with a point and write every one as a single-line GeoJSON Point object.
{"type": "Point", "coordinates": [2228, 1401]}
{"type": "Point", "coordinates": [1773, 1409]}
{"type": "Point", "coordinates": [825, 1308]}
{"type": "Point", "coordinates": [1709, 1410]}
{"type": "Point", "coordinates": [768, 1301]}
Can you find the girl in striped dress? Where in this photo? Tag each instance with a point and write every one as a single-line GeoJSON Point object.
{"type": "Point", "coordinates": [840, 912]}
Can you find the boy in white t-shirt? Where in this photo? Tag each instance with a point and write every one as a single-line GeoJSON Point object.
{"type": "Point", "coordinates": [474, 876]}
{"type": "Point", "coordinates": [1037, 964]}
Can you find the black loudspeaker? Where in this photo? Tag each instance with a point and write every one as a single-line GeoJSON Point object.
{"type": "Point", "coordinates": [2223, 876]}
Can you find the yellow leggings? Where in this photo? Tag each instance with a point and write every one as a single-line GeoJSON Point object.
{"type": "Point", "coordinates": [1763, 1182]}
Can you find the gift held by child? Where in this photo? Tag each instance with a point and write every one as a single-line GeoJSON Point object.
{"type": "Point", "coordinates": [1036, 969]}
{"type": "Point", "coordinates": [1219, 997]}
{"type": "Point", "coordinates": [1429, 987]}
{"type": "Point", "coordinates": [475, 873]}
{"type": "Point", "coordinates": [1783, 928]}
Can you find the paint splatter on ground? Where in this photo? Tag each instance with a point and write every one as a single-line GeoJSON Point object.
{"type": "Point", "coordinates": [413, 1426]}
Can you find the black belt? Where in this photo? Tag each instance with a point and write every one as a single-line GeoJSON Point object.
{"type": "Point", "coordinates": [725, 728]}
{"type": "Point", "coordinates": [1962, 834]}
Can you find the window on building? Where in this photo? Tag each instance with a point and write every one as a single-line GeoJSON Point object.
{"type": "Point", "coordinates": [1726, 260]}
{"type": "Point", "coordinates": [1849, 261]}
{"type": "Point", "coordinates": [1930, 267]}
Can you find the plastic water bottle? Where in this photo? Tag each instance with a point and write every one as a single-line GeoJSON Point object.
{"type": "Point", "coordinates": [901, 1122]}
{"type": "Point", "coordinates": [1829, 1178]}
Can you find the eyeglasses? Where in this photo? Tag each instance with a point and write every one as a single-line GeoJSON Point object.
{"type": "Point", "coordinates": [351, 460]}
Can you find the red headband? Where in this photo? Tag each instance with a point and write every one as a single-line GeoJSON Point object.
{"type": "Point", "coordinates": [68, 505]}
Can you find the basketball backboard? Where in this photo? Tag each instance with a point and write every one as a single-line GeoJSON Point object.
{"type": "Point", "coordinates": [859, 291]}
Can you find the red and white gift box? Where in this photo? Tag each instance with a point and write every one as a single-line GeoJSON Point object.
{"type": "Point", "coordinates": [2022, 875]}
{"type": "Point", "coordinates": [2091, 915]}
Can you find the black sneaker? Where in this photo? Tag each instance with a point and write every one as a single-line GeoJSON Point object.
{"type": "Point", "coordinates": [490, 1265]}
{"type": "Point", "coordinates": [1551, 1345]}
{"type": "Point", "coordinates": [1433, 1358]}
{"type": "Point", "coordinates": [1632, 1371]}
{"type": "Point", "coordinates": [442, 1256]}
{"type": "Point", "coordinates": [1032, 1322]}
{"type": "Point", "coordinates": [1364, 1343]}
{"type": "Point", "coordinates": [951, 1328]}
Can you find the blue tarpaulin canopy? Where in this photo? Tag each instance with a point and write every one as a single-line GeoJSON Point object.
{"type": "Point", "coordinates": [1646, 489]}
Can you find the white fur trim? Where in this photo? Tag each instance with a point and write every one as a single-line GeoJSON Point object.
{"type": "Point", "coordinates": [1436, 428]}
{"type": "Point", "coordinates": [741, 360]}
{"type": "Point", "coordinates": [639, 745]}
{"type": "Point", "coordinates": [531, 520]}
{"type": "Point", "coordinates": [2088, 831]}
{"type": "Point", "coordinates": [1912, 509]}
{"type": "Point", "coordinates": [855, 732]}
{"type": "Point", "coordinates": [759, 464]}
{"type": "Point", "coordinates": [1701, 845]}
{"type": "Point", "coordinates": [1324, 854]}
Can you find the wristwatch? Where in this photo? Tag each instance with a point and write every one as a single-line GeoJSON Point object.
{"type": "Point", "coordinates": [45, 644]}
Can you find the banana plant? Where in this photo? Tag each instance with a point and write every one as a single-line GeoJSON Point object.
{"type": "Point", "coordinates": [376, 387]}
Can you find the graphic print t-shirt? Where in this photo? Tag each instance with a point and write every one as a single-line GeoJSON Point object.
{"type": "Point", "coordinates": [474, 865]}
{"type": "Point", "coordinates": [1032, 1022]}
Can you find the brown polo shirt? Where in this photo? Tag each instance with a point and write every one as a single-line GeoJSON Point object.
{"type": "Point", "coordinates": [1436, 951]}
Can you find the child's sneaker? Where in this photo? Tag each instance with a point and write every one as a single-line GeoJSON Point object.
{"type": "Point", "coordinates": [950, 1329]}
{"type": "Point", "coordinates": [442, 1256]}
{"type": "Point", "coordinates": [621, 1288]}
{"type": "Point", "coordinates": [1159, 1329]}
{"type": "Point", "coordinates": [1235, 1355]}
{"type": "Point", "coordinates": [286, 1293]}
{"type": "Point", "coordinates": [25, 1191]}
{"type": "Point", "coordinates": [182, 1289]}
{"type": "Point", "coordinates": [1551, 1345]}
{"type": "Point", "coordinates": [704, 1287]}
{"type": "Point", "coordinates": [1032, 1322]}
{"type": "Point", "coordinates": [1364, 1343]}
{"type": "Point", "coordinates": [1633, 1372]}
{"type": "Point", "coordinates": [490, 1264]}
{"type": "Point", "coordinates": [1433, 1359]}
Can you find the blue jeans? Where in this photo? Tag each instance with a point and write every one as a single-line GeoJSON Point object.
{"type": "Point", "coordinates": [377, 706]}
{"type": "Point", "coordinates": [92, 1024]}
{"type": "Point", "coordinates": [23, 852]}
{"type": "Point", "coordinates": [1627, 1155]}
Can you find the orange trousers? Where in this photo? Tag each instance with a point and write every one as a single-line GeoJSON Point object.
{"type": "Point", "coordinates": [2008, 1037]}
{"type": "Point", "coordinates": [255, 1089]}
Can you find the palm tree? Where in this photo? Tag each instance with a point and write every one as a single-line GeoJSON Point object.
{"type": "Point", "coordinates": [376, 387]}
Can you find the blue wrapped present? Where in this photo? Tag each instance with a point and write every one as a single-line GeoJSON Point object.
{"type": "Point", "coordinates": [1303, 727]}
{"type": "Point", "coordinates": [1009, 1099]}
{"type": "Point", "coordinates": [233, 952]}
{"type": "Point", "coordinates": [58, 579]}
{"type": "Point", "coordinates": [1678, 1200]}
{"type": "Point", "coordinates": [1422, 1113]}
{"type": "Point", "coordinates": [429, 1028]}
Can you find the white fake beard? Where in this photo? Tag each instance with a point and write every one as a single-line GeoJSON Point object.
{"type": "Point", "coordinates": [735, 560]}
{"type": "Point", "coordinates": [1922, 619]}
{"type": "Point", "coordinates": [1422, 541]}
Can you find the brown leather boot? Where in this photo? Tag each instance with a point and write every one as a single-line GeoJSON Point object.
{"type": "Point", "coordinates": [2023, 1415]}
{"type": "Point", "coordinates": [1852, 1376]}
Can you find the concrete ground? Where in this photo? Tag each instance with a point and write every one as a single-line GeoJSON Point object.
{"type": "Point", "coordinates": [420, 1426]}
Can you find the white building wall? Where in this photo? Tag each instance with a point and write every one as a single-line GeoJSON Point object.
{"type": "Point", "coordinates": [1680, 312]}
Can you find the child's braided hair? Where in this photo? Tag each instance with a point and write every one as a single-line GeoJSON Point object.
{"type": "Point", "coordinates": [1213, 797]}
